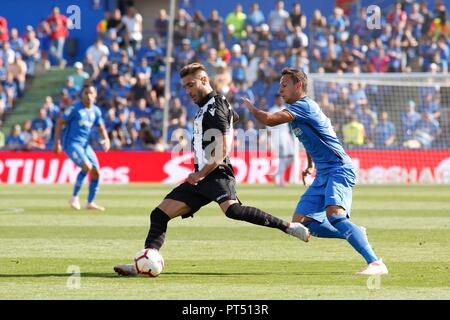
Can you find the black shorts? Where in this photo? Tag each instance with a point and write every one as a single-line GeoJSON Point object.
{"type": "Point", "coordinates": [218, 186]}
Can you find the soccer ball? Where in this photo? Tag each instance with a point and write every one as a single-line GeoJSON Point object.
{"type": "Point", "coordinates": [149, 262]}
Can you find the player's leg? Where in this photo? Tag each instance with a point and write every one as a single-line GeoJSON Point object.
{"type": "Point", "coordinates": [338, 199]}
{"type": "Point", "coordinates": [310, 211]}
{"type": "Point", "coordinates": [77, 155]}
{"type": "Point", "coordinates": [160, 217]}
{"type": "Point", "coordinates": [95, 179]}
{"type": "Point", "coordinates": [221, 188]}
{"type": "Point", "coordinates": [181, 201]}
{"type": "Point", "coordinates": [317, 228]}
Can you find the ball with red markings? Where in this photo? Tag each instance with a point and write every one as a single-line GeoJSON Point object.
{"type": "Point", "coordinates": [149, 262]}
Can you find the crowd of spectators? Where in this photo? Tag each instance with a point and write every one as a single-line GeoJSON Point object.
{"type": "Point", "coordinates": [244, 52]}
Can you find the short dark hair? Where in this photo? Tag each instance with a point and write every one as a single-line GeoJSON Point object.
{"type": "Point", "coordinates": [192, 68]}
{"type": "Point", "coordinates": [297, 76]}
{"type": "Point", "coordinates": [88, 85]}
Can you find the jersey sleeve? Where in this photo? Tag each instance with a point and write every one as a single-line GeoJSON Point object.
{"type": "Point", "coordinates": [219, 115]}
{"type": "Point", "coordinates": [68, 114]}
{"type": "Point", "coordinates": [298, 112]}
{"type": "Point", "coordinates": [98, 118]}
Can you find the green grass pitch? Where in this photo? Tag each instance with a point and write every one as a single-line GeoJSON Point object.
{"type": "Point", "coordinates": [212, 257]}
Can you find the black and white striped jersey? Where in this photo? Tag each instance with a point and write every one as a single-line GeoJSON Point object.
{"type": "Point", "coordinates": [214, 117]}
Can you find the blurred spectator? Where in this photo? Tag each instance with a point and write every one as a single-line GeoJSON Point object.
{"type": "Point", "coordinates": [98, 53]}
{"type": "Point", "coordinates": [182, 26]}
{"type": "Point", "coordinates": [297, 39]}
{"type": "Point", "coordinates": [384, 132]}
{"type": "Point", "coordinates": [185, 55]}
{"type": "Point", "coordinates": [133, 26]}
{"type": "Point", "coordinates": [368, 118]}
{"type": "Point", "coordinates": [278, 19]}
{"type": "Point", "coordinates": [238, 64]}
{"type": "Point", "coordinates": [162, 25]}
{"type": "Point", "coordinates": [353, 132]}
{"type": "Point", "coordinates": [58, 29]}
{"type": "Point", "coordinates": [15, 141]}
{"type": "Point", "coordinates": [15, 42]}
{"type": "Point", "coordinates": [4, 33]}
{"type": "Point", "coordinates": [79, 77]}
{"type": "Point", "coordinates": [426, 132]}
{"type": "Point", "coordinates": [256, 17]}
{"type": "Point", "coordinates": [31, 50]}
{"type": "Point", "coordinates": [42, 125]}
{"type": "Point", "coordinates": [237, 19]}
{"type": "Point", "coordinates": [430, 105]}
{"type": "Point", "coordinates": [7, 54]}
{"type": "Point", "coordinates": [408, 120]}
{"type": "Point", "coordinates": [115, 22]}
{"type": "Point", "coordinates": [18, 70]}
{"type": "Point", "coordinates": [296, 17]}
{"type": "Point", "coordinates": [214, 28]}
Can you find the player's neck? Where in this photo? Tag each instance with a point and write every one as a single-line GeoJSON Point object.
{"type": "Point", "coordinates": [86, 105]}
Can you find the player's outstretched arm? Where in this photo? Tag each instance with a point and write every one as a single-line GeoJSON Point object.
{"type": "Point", "coordinates": [267, 118]}
{"type": "Point", "coordinates": [57, 145]}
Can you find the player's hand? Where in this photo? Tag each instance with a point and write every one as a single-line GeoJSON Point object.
{"type": "Point", "coordinates": [57, 148]}
{"type": "Point", "coordinates": [106, 144]}
{"type": "Point", "coordinates": [306, 172]}
{"type": "Point", "coordinates": [194, 178]}
{"type": "Point", "coordinates": [247, 103]}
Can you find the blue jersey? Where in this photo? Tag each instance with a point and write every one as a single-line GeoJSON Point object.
{"type": "Point", "coordinates": [79, 122]}
{"type": "Point", "coordinates": [315, 132]}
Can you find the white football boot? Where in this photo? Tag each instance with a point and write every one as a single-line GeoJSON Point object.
{"type": "Point", "coordinates": [75, 202]}
{"type": "Point", "coordinates": [93, 206]}
{"type": "Point", "coordinates": [298, 230]}
{"type": "Point", "coordinates": [375, 268]}
{"type": "Point", "coordinates": [126, 270]}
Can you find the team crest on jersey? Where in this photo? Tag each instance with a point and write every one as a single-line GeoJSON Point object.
{"type": "Point", "coordinates": [297, 131]}
{"type": "Point", "coordinates": [212, 111]}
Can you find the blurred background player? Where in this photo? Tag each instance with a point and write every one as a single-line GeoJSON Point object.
{"type": "Point", "coordinates": [213, 178]}
{"type": "Point", "coordinates": [325, 206]}
{"type": "Point", "coordinates": [79, 120]}
{"type": "Point", "coordinates": [282, 144]}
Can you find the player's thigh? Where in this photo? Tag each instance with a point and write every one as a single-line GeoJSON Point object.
{"type": "Point", "coordinates": [92, 157]}
{"type": "Point", "coordinates": [339, 193]}
{"type": "Point", "coordinates": [184, 200]}
{"type": "Point", "coordinates": [312, 202]}
{"type": "Point", "coordinates": [174, 208]}
{"type": "Point", "coordinates": [77, 154]}
{"type": "Point", "coordinates": [220, 187]}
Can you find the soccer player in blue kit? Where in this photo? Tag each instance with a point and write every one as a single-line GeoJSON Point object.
{"type": "Point", "coordinates": [325, 206]}
{"type": "Point", "coordinates": [78, 120]}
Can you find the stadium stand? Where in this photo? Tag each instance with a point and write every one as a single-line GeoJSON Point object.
{"type": "Point", "coordinates": [244, 52]}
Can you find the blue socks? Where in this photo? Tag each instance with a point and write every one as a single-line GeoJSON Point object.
{"type": "Point", "coordinates": [323, 230]}
{"type": "Point", "coordinates": [354, 236]}
{"type": "Point", "coordinates": [79, 183]}
{"type": "Point", "coordinates": [93, 188]}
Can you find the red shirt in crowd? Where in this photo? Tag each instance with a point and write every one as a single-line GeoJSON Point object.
{"type": "Point", "coordinates": [58, 26]}
{"type": "Point", "coordinates": [4, 35]}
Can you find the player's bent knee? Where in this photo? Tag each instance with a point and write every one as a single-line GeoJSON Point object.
{"type": "Point", "coordinates": [174, 208]}
{"type": "Point", "coordinates": [301, 218]}
{"type": "Point", "coordinates": [87, 167]}
{"type": "Point", "coordinates": [95, 174]}
{"type": "Point", "coordinates": [335, 210]}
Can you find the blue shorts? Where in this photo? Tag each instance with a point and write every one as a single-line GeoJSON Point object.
{"type": "Point", "coordinates": [81, 155]}
{"type": "Point", "coordinates": [333, 188]}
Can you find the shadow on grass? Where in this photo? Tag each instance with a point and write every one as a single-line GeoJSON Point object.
{"type": "Point", "coordinates": [175, 274]}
